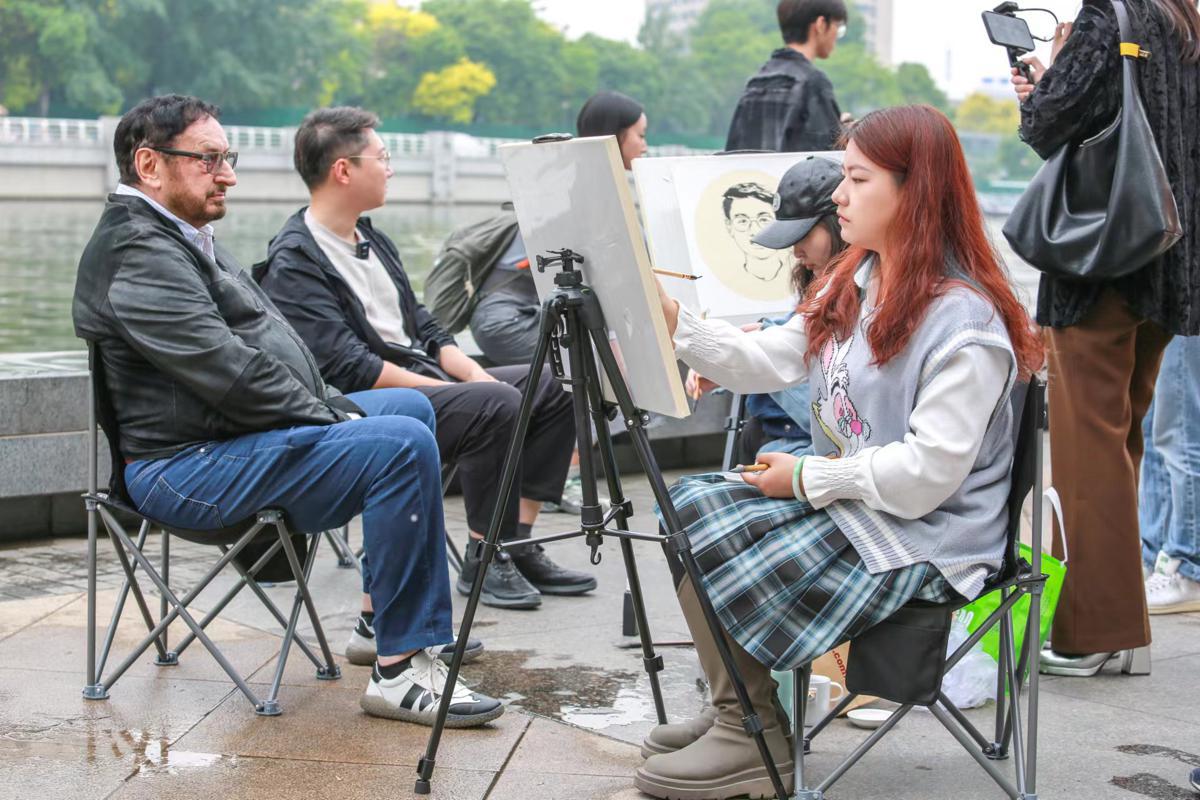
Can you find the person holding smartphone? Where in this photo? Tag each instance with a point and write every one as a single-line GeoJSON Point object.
{"type": "Point", "coordinates": [1106, 340]}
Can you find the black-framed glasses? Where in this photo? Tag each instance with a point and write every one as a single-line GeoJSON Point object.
{"type": "Point", "coordinates": [212, 161]}
{"type": "Point", "coordinates": [385, 157]}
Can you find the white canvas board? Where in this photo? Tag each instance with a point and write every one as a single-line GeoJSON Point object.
{"type": "Point", "coordinates": [575, 194]}
{"type": "Point", "coordinates": [689, 230]}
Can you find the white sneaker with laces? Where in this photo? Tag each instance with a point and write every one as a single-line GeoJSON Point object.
{"type": "Point", "coordinates": [1168, 592]}
{"type": "Point", "coordinates": [414, 695]}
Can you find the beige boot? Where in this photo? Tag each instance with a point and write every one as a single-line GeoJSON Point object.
{"type": "Point", "coordinates": [677, 735]}
{"type": "Point", "coordinates": [723, 762]}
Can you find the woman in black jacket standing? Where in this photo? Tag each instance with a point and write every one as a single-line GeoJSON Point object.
{"type": "Point", "coordinates": [1106, 340]}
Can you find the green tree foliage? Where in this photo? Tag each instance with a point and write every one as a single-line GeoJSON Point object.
{"type": "Point", "coordinates": [534, 67]}
{"type": "Point", "coordinates": [979, 113]}
{"type": "Point", "coordinates": [489, 62]}
{"type": "Point", "coordinates": [48, 48]}
{"type": "Point", "coordinates": [916, 86]}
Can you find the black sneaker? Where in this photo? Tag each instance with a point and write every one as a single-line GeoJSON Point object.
{"type": "Point", "coordinates": [548, 577]}
{"type": "Point", "coordinates": [360, 650]}
{"type": "Point", "coordinates": [1196, 779]}
{"type": "Point", "coordinates": [503, 586]}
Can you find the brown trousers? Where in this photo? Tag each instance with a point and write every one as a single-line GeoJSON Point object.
{"type": "Point", "coordinates": [1102, 374]}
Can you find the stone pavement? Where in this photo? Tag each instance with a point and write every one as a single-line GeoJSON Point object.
{"type": "Point", "coordinates": [578, 703]}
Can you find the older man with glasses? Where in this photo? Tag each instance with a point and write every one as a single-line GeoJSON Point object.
{"type": "Point", "coordinates": [221, 410]}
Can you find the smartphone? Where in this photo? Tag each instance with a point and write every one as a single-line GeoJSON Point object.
{"type": "Point", "coordinates": [1008, 31]}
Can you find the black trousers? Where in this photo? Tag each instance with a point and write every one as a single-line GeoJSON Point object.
{"type": "Point", "coordinates": [475, 422]}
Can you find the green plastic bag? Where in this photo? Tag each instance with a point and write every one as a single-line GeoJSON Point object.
{"type": "Point", "coordinates": [983, 607]}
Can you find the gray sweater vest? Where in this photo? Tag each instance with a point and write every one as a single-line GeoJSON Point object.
{"type": "Point", "coordinates": [856, 405]}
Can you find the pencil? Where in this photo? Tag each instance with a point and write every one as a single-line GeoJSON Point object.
{"type": "Point", "coordinates": [740, 468]}
{"type": "Point", "coordinates": [683, 275]}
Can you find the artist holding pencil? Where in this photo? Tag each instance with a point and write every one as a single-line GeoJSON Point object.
{"type": "Point", "coordinates": [805, 222]}
{"type": "Point", "coordinates": [911, 344]}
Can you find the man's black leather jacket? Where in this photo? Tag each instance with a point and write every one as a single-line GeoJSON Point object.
{"type": "Point", "coordinates": [788, 107]}
{"type": "Point", "coordinates": [193, 350]}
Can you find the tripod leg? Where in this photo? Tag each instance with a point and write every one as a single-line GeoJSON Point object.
{"type": "Point", "coordinates": [677, 541]}
{"type": "Point", "coordinates": [550, 317]}
{"type": "Point", "coordinates": [652, 662]}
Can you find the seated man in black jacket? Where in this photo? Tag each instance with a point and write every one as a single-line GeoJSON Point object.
{"type": "Point", "coordinates": [221, 411]}
{"type": "Point", "coordinates": [341, 284]}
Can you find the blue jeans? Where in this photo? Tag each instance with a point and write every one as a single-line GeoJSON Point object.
{"type": "Point", "coordinates": [1169, 494]}
{"type": "Point", "coordinates": [384, 467]}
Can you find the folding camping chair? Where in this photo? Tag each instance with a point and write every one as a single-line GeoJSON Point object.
{"type": "Point", "coordinates": [885, 652]}
{"type": "Point", "coordinates": [252, 546]}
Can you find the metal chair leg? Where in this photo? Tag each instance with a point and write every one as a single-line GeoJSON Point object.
{"type": "Point", "coordinates": [169, 659]}
{"type": "Point", "coordinates": [119, 608]}
{"type": "Point", "coordinates": [179, 607]}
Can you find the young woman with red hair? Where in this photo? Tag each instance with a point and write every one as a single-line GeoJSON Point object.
{"type": "Point", "coordinates": [911, 346]}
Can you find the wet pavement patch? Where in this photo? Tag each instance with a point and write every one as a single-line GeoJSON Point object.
{"type": "Point", "coordinates": [1148, 785]}
{"type": "Point", "coordinates": [1190, 759]}
{"type": "Point", "coordinates": [555, 692]}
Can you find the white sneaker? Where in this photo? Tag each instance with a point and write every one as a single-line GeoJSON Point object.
{"type": "Point", "coordinates": [1168, 592]}
{"type": "Point", "coordinates": [414, 695]}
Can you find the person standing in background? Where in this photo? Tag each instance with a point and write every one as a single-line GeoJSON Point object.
{"type": "Point", "coordinates": [1106, 340]}
{"type": "Point", "coordinates": [789, 105]}
{"type": "Point", "coordinates": [1169, 509]}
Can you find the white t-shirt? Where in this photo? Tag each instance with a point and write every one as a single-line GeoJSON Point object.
{"type": "Point", "coordinates": [368, 279]}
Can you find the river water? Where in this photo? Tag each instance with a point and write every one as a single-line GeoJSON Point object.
{"type": "Point", "coordinates": [40, 243]}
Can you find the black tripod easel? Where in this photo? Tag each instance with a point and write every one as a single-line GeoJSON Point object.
{"type": "Point", "coordinates": [573, 319]}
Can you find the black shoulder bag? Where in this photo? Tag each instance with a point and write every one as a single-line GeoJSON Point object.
{"type": "Point", "coordinates": [1102, 208]}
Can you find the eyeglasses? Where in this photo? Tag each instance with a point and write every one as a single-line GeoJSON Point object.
{"type": "Point", "coordinates": [385, 157]}
{"type": "Point", "coordinates": [212, 161]}
{"type": "Point", "coordinates": [743, 222]}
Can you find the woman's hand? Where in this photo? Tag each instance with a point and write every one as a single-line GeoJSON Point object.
{"type": "Point", "coordinates": [1024, 86]}
{"type": "Point", "coordinates": [696, 385]}
{"type": "Point", "coordinates": [776, 481]}
{"type": "Point", "coordinates": [670, 308]}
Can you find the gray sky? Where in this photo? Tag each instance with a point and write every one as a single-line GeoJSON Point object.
{"type": "Point", "coordinates": [945, 35]}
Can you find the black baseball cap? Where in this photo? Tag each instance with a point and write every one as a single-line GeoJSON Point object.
{"type": "Point", "coordinates": [805, 195]}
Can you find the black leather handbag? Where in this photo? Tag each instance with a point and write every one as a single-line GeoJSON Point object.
{"type": "Point", "coordinates": [1101, 208]}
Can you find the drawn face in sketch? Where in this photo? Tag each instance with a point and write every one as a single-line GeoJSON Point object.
{"type": "Point", "coordinates": [725, 215]}
{"type": "Point", "coordinates": [748, 208]}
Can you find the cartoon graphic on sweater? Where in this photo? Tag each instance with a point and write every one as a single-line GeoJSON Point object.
{"type": "Point", "coordinates": [832, 407]}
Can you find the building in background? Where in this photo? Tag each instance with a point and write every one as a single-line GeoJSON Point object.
{"type": "Point", "coordinates": [681, 15]}
{"type": "Point", "coordinates": [877, 16]}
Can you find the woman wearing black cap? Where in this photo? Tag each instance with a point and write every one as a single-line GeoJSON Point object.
{"type": "Point", "coordinates": [806, 222]}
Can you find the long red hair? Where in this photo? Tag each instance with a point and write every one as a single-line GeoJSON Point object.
{"type": "Point", "coordinates": [938, 218]}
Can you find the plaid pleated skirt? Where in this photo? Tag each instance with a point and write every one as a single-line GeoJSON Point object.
{"type": "Point", "coordinates": [786, 583]}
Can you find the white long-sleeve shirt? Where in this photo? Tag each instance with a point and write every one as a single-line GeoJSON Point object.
{"type": "Point", "coordinates": [908, 478]}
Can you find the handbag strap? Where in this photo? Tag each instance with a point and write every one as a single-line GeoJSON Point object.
{"type": "Point", "coordinates": [1129, 48]}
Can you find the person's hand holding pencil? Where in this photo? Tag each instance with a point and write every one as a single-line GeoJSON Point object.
{"type": "Point", "coordinates": [772, 475]}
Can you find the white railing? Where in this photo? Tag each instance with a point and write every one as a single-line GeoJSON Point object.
{"type": "Point", "coordinates": [249, 138]}
{"type": "Point", "coordinates": [406, 145]}
{"type": "Point", "coordinates": [49, 132]}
